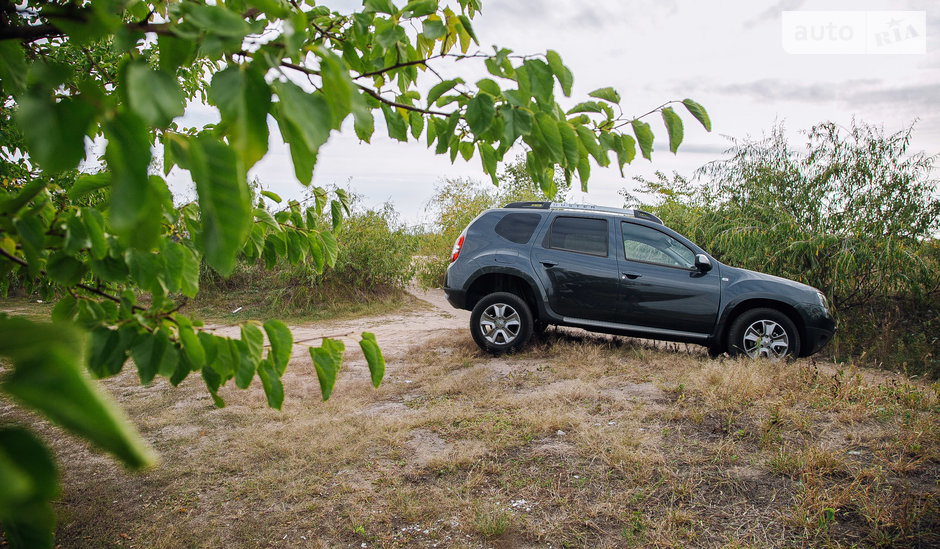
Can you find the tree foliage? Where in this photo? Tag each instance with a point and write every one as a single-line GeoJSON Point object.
{"type": "Point", "coordinates": [125, 258]}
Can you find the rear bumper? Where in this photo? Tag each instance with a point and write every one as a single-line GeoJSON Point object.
{"type": "Point", "coordinates": [457, 298]}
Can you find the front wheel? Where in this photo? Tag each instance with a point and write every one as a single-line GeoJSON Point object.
{"type": "Point", "coordinates": [764, 333]}
{"type": "Point", "coordinates": [501, 323]}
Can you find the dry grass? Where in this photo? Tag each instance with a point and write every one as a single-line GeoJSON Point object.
{"type": "Point", "coordinates": [578, 442]}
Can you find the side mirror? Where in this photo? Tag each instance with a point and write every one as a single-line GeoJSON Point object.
{"type": "Point", "coordinates": [702, 263]}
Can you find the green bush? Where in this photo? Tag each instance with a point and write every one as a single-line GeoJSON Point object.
{"type": "Point", "coordinates": [374, 264]}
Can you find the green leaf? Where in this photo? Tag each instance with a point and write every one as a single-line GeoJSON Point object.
{"type": "Point", "coordinates": [419, 8]}
{"type": "Point", "coordinates": [569, 141]}
{"type": "Point", "coordinates": [47, 377]}
{"type": "Point", "coordinates": [465, 21]}
{"type": "Point", "coordinates": [551, 136]}
{"type": "Point", "coordinates": [110, 269]}
{"type": "Point", "coordinates": [589, 141]}
{"type": "Point", "coordinates": [516, 122]}
{"type": "Point", "coordinates": [541, 79]}
{"type": "Point", "coordinates": [192, 348]}
{"type": "Point", "coordinates": [440, 89]}
{"type": "Point", "coordinates": [128, 156]}
{"type": "Point", "coordinates": [65, 269]}
{"type": "Point", "coordinates": [253, 340]}
{"type": "Point", "coordinates": [274, 197]}
{"type": "Point", "coordinates": [148, 352]}
{"type": "Point", "coordinates": [607, 94]}
{"type": "Point", "coordinates": [326, 360]}
{"type": "Point", "coordinates": [626, 151]}
{"type": "Point", "coordinates": [224, 201]}
{"type": "Point", "coordinates": [644, 136]}
{"type": "Point", "coordinates": [337, 88]}
{"type": "Point", "coordinates": [305, 121]}
{"type": "Point", "coordinates": [12, 67]}
{"type": "Point", "coordinates": [363, 120]}
{"type": "Point", "coordinates": [370, 348]}
{"type": "Point", "coordinates": [488, 158]}
{"type": "Point", "coordinates": [699, 113]}
{"type": "Point", "coordinates": [182, 266]}
{"type": "Point", "coordinates": [673, 127]}
{"type": "Point", "coordinates": [29, 478]}
{"type": "Point", "coordinates": [107, 352]}
{"type": "Point", "coordinates": [215, 19]}
{"type": "Point", "coordinates": [271, 382]}
{"type": "Point", "coordinates": [281, 340]}
{"type": "Point", "coordinates": [586, 106]}
{"type": "Point", "coordinates": [330, 247]}
{"type": "Point", "coordinates": [560, 71]}
{"type": "Point", "coordinates": [336, 214]}
{"type": "Point", "coordinates": [87, 184]}
{"type": "Point", "coordinates": [32, 234]}
{"type": "Point", "coordinates": [175, 52]}
{"type": "Point", "coordinates": [54, 131]}
{"type": "Point", "coordinates": [395, 123]}
{"type": "Point", "coordinates": [244, 99]}
{"type": "Point", "coordinates": [379, 6]}
{"type": "Point", "coordinates": [316, 251]}
{"type": "Point", "coordinates": [480, 113]}
{"type": "Point", "coordinates": [433, 29]}
{"type": "Point", "coordinates": [154, 95]}
{"type": "Point", "coordinates": [94, 228]}
{"type": "Point", "coordinates": [147, 269]}
{"type": "Point", "coordinates": [245, 368]}
{"type": "Point", "coordinates": [213, 381]}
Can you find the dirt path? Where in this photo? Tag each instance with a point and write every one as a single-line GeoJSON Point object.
{"type": "Point", "coordinates": [396, 333]}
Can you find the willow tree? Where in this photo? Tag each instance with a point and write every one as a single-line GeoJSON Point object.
{"type": "Point", "coordinates": [122, 259]}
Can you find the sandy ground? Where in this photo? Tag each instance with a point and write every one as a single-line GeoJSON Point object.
{"type": "Point", "coordinates": [396, 333]}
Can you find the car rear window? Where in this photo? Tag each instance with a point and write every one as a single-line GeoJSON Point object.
{"type": "Point", "coordinates": [518, 227]}
{"type": "Point", "coordinates": [579, 234]}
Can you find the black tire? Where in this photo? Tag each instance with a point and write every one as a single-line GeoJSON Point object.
{"type": "Point", "coordinates": [501, 323]}
{"type": "Point", "coordinates": [764, 332]}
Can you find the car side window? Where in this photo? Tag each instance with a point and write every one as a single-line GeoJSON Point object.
{"type": "Point", "coordinates": [651, 246]}
{"type": "Point", "coordinates": [518, 227]}
{"type": "Point", "coordinates": [579, 234]}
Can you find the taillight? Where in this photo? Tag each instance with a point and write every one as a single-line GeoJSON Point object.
{"type": "Point", "coordinates": [457, 244]}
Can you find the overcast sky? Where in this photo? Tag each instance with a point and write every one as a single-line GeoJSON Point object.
{"type": "Point", "coordinates": [726, 55]}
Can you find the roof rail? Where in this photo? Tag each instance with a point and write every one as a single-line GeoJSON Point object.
{"type": "Point", "coordinates": [530, 205]}
{"type": "Point", "coordinates": [632, 212]}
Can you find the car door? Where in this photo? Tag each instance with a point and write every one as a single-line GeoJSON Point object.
{"type": "Point", "coordinates": [660, 286]}
{"type": "Point", "coordinates": [578, 268]}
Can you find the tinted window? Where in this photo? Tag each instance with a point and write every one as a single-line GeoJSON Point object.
{"type": "Point", "coordinates": [518, 227]}
{"type": "Point", "coordinates": [651, 246]}
{"type": "Point", "coordinates": [579, 234]}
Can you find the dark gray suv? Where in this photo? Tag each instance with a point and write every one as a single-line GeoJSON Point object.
{"type": "Point", "coordinates": [621, 271]}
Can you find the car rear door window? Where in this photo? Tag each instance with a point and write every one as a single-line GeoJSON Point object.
{"type": "Point", "coordinates": [579, 234]}
{"type": "Point", "coordinates": [518, 227]}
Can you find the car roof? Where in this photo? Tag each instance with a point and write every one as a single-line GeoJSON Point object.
{"type": "Point", "coordinates": [628, 212]}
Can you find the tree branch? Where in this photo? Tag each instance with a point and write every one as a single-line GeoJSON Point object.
{"type": "Point", "coordinates": [85, 287]}
{"type": "Point", "coordinates": [369, 91]}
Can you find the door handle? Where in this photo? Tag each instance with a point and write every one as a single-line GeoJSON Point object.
{"type": "Point", "coordinates": [548, 263]}
{"type": "Point", "coordinates": [631, 276]}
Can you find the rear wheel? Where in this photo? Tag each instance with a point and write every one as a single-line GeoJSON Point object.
{"type": "Point", "coordinates": [764, 333]}
{"type": "Point", "coordinates": [501, 323]}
